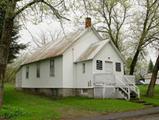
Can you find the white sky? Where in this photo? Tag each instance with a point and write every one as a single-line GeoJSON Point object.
{"type": "Point", "coordinates": [35, 30]}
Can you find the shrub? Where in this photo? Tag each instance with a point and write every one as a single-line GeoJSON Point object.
{"type": "Point", "coordinates": [10, 112]}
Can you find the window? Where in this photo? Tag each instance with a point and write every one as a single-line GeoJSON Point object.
{"type": "Point", "coordinates": [118, 66]}
{"type": "Point", "coordinates": [38, 70]}
{"type": "Point", "coordinates": [27, 72]}
{"type": "Point", "coordinates": [99, 65]}
{"type": "Point", "coordinates": [52, 67]}
{"type": "Point", "coordinates": [84, 92]}
{"type": "Point", "coordinates": [83, 68]}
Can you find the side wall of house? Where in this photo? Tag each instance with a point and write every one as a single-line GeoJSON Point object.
{"type": "Point", "coordinates": [18, 81]}
{"type": "Point", "coordinates": [69, 73]}
{"type": "Point", "coordinates": [108, 54]}
{"type": "Point", "coordinates": [45, 80]}
{"type": "Point", "coordinates": [84, 77]}
{"type": "Point", "coordinates": [147, 81]}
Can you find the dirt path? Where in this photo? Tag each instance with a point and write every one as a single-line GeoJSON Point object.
{"type": "Point", "coordinates": [146, 114]}
{"type": "Point", "coordinates": [146, 117]}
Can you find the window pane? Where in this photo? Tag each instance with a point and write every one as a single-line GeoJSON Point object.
{"type": "Point", "coordinates": [84, 67]}
{"type": "Point", "coordinates": [27, 72]}
{"type": "Point", "coordinates": [118, 67]}
{"type": "Point", "coordinates": [99, 65]}
{"type": "Point", "coordinates": [38, 70]}
{"type": "Point", "coordinates": [52, 67]}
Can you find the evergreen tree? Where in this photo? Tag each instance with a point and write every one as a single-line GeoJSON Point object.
{"type": "Point", "coordinates": [15, 47]}
{"type": "Point", "coordinates": [150, 66]}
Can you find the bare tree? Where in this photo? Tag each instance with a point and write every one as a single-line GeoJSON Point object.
{"type": "Point", "coordinates": [11, 12]}
{"type": "Point", "coordinates": [43, 38]}
{"type": "Point", "coordinates": [108, 15]}
{"type": "Point", "coordinates": [147, 30]}
{"type": "Point", "coordinates": [114, 14]}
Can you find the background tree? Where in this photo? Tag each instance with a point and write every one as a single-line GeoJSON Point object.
{"type": "Point", "coordinates": [150, 66]}
{"type": "Point", "coordinates": [114, 13]}
{"type": "Point", "coordinates": [42, 38]}
{"type": "Point", "coordinates": [127, 65]}
{"type": "Point", "coordinates": [150, 90]}
{"type": "Point", "coordinates": [151, 87]}
{"type": "Point", "coordinates": [14, 50]}
{"type": "Point", "coordinates": [147, 29]}
{"type": "Point", "coordinates": [14, 47]}
{"type": "Point", "coordinates": [109, 17]}
{"type": "Point", "coordinates": [12, 10]}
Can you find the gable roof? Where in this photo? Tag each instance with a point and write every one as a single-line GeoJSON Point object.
{"type": "Point", "coordinates": [58, 47]}
{"type": "Point", "coordinates": [118, 52]}
{"type": "Point", "coordinates": [94, 49]}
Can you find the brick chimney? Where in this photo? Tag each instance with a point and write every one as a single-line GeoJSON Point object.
{"type": "Point", "coordinates": [88, 22]}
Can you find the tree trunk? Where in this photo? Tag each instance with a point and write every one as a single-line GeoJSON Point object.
{"type": "Point", "coordinates": [5, 41]}
{"type": "Point", "coordinates": [134, 61]}
{"type": "Point", "coordinates": [150, 90]}
{"type": "Point", "coordinates": [4, 50]}
{"type": "Point", "coordinates": [2, 72]}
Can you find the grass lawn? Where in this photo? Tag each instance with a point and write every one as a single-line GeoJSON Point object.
{"type": "Point", "coordinates": [23, 106]}
{"type": "Point", "coordinates": [153, 100]}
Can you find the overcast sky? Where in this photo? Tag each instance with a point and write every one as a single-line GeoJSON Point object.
{"type": "Point", "coordinates": [35, 30]}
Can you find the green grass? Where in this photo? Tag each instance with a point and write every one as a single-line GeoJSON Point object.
{"type": "Point", "coordinates": [153, 100]}
{"type": "Point", "coordinates": [23, 106]}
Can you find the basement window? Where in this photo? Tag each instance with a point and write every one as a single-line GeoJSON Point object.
{"type": "Point", "coordinates": [27, 72]}
{"type": "Point", "coordinates": [99, 65]}
{"type": "Point", "coordinates": [52, 67]}
{"type": "Point", "coordinates": [38, 70]}
{"type": "Point", "coordinates": [83, 68]}
{"type": "Point", "coordinates": [84, 92]}
{"type": "Point", "coordinates": [118, 66]}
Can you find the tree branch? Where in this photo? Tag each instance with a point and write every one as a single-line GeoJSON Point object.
{"type": "Point", "coordinates": [55, 11]}
{"type": "Point", "coordinates": [25, 7]}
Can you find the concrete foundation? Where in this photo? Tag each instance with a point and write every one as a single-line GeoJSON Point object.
{"type": "Point", "coordinates": [61, 92]}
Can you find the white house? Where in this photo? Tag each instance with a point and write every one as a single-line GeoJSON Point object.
{"type": "Point", "coordinates": [80, 64]}
{"type": "Point", "coordinates": [147, 78]}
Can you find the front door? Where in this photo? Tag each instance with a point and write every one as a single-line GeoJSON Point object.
{"type": "Point", "coordinates": [109, 73]}
{"type": "Point", "coordinates": [108, 67]}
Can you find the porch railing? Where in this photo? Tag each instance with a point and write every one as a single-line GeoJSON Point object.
{"type": "Point", "coordinates": [130, 81]}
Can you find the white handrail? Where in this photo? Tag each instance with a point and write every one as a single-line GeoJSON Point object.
{"type": "Point", "coordinates": [124, 86]}
{"type": "Point", "coordinates": [127, 80]}
{"type": "Point", "coordinates": [134, 87]}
